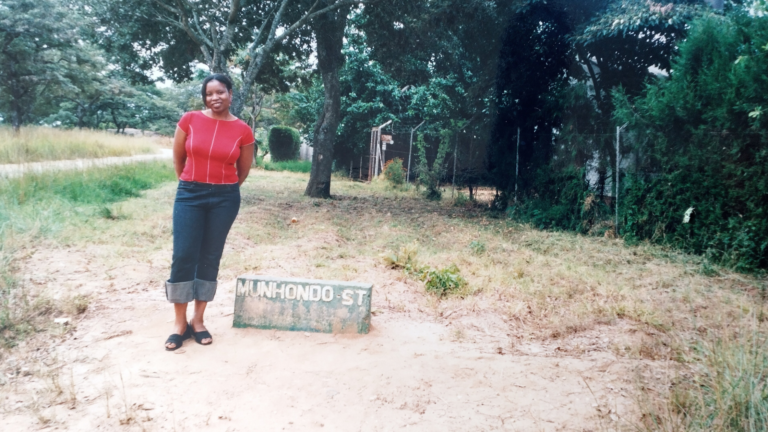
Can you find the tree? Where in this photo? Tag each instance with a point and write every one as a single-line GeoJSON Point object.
{"type": "Point", "coordinates": [703, 137]}
{"type": "Point", "coordinates": [329, 34]}
{"type": "Point", "coordinates": [222, 33]}
{"type": "Point", "coordinates": [39, 54]}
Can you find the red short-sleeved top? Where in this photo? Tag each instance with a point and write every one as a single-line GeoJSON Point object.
{"type": "Point", "coordinates": [213, 147]}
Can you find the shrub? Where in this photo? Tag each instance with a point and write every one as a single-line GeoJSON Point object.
{"type": "Point", "coordinates": [394, 172]}
{"type": "Point", "coordinates": [284, 143]}
{"type": "Point", "coordinates": [444, 281]}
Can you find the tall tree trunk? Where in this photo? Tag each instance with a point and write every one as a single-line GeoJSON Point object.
{"type": "Point", "coordinates": [329, 32]}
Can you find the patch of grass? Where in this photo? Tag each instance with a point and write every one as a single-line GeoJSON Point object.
{"type": "Point", "coordinates": [297, 166]}
{"type": "Point", "coordinates": [36, 144]}
{"type": "Point", "coordinates": [441, 282]}
{"type": "Point", "coordinates": [37, 206]}
{"type": "Point", "coordinates": [726, 389]}
{"type": "Point", "coordinates": [477, 247]}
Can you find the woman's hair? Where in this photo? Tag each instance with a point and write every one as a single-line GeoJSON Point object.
{"type": "Point", "coordinates": [216, 77]}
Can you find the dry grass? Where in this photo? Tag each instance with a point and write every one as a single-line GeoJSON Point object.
{"type": "Point", "coordinates": [542, 285]}
{"type": "Point", "coordinates": [36, 144]}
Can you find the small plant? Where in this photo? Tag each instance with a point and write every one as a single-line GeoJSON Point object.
{"type": "Point", "coordinates": [444, 281]}
{"type": "Point", "coordinates": [112, 213]}
{"type": "Point", "coordinates": [75, 305]}
{"type": "Point", "coordinates": [477, 247]}
{"type": "Point", "coordinates": [404, 258]}
{"type": "Point", "coordinates": [461, 200]}
{"type": "Point", "coordinates": [394, 172]}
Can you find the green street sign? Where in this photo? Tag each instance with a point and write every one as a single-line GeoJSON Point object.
{"type": "Point", "coordinates": [302, 305]}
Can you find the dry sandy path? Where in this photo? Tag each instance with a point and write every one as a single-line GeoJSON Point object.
{"type": "Point", "coordinates": [17, 170]}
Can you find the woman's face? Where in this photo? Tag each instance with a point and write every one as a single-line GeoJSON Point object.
{"type": "Point", "coordinates": [217, 97]}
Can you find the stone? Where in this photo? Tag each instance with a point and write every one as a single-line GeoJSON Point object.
{"type": "Point", "coordinates": [304, 305]}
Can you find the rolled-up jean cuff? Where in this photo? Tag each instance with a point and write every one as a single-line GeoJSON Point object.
{"type": "Point", "coordinates": [180, 292]}
{"type": "Point", "coordinates": [205, 290]}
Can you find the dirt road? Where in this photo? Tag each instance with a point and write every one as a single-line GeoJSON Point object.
{"type": "Point", "coordinates": [16, 170]}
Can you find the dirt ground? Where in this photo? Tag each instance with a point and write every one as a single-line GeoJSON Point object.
{"type": "Point", "coordinates": [427, 364]}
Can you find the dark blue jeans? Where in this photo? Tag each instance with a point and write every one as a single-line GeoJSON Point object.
{"type": "Point", "coordinates": [202, 216]}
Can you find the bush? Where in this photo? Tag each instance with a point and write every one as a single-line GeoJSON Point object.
{"type": "Point", "coordinates": [284, 143]}
{"type": "Point", "coordinates": [394, 172]}
{"type": "Point", "coordinates": [444, 281]}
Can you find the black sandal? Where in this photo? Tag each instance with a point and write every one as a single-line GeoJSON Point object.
{"type": "Point", "coordinates": [199, 336]}
{"type": "Point", "coordinates": [178, 339]}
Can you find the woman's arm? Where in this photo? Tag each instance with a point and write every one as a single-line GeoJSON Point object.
{"type": "Point", "coordinates": [244, 162]}
{"type": "Point", "coordinates": [179, 151]}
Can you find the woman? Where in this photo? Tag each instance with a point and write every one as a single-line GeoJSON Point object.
{"type": "Point", "coordinates": [212, 154]}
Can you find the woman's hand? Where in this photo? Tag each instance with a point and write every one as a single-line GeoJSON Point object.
{"type": "Point", "coordinates": [179, 151]}
{"type": "Point", "coordinates": [244, 162]}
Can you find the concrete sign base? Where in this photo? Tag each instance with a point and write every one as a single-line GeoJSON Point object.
{"type": "Point", "coordinates": [302, 305]}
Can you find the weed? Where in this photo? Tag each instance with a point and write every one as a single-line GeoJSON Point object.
{"type": "Point", "coordinates": [112, 213]}
{"type": "Point", "coordinates": [404, 259]}
{"type": "Point", "coordinates": [75, 305]}
{"type": "Point", "coordinates": [443, 282]}
{"type": "Point", "coordinates": [726, 392]}
{"type": "Point", "coordinates": [461, 200]}
{"type": "Point", "coordinates": [477, 247]}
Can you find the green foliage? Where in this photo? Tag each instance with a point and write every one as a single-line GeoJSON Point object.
{"type": "Point", "coordinates": [430, 177]}
{"type": "Point", "coordinates": [96, 186]}
{"type": "Point", "coordinates": [394, 172]}
{"type": "Point", "coordinates": [284, 143]}
{"type": "Point", "coordinates": [461, 200]}
{"type": "Point", "coordinates": [477, 247]}
{"type": "Point", "coordinates": [562, 201]}
{"type": "Point", "coordinates": [443, 282]}
{"type": "Point", "coordinates": [40, 55]}
{"type": "Point", "coordinates": [38, 205]}
{"type": "Point", "coordinates": [405, 258]}
{"type": "Point", "coordinates": [702, 135]}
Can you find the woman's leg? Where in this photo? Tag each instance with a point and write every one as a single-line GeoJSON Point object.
{"type": "Point", "coordinates": [188, 223]}
{"type": "Point", "coordinates": [219, 220]}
